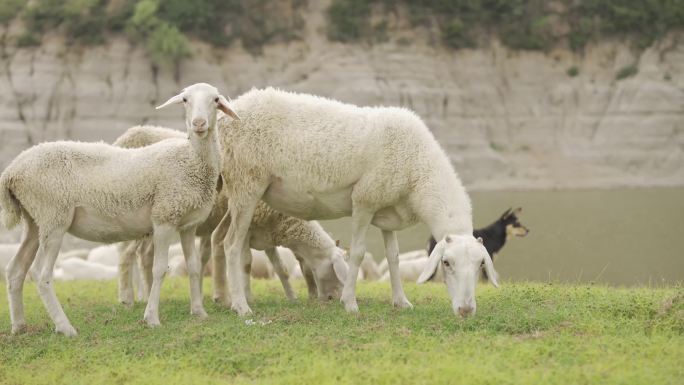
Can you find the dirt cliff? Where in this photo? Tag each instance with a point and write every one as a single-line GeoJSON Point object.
{"type": "Point", "coordinates": [508, 119]}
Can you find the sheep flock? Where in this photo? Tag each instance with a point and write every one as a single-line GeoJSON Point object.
{"type": "Point", "coordinates": [242, 188]}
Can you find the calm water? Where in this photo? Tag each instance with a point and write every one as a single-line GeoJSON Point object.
{"type": "Point", "coordinates": [620, 237]}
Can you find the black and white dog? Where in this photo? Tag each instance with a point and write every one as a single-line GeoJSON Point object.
{"type": "Point", "coordinates": [495, 235]}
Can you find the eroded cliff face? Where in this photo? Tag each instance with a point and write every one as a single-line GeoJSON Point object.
{"type": "Point", "coordinates": [507, 119]}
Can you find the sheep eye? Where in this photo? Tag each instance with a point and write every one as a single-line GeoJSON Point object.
{"type": "Point", "coordinates": [185, 100]}
{"type": "Point", "coordinates": [446, 263]}
{"type": "Point", "coordinates": [216, 100]}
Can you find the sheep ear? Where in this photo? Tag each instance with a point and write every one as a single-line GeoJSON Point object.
{"type": "Point", "coordinates": [223, 106]}
{"type": "Point", "coordinates": [173, 100]}
{"type": "Point", "coordinates": [433, 262]}
{"type": "Point", "coordinates": [219, 184]}
{"type": "Point", "coordinates": [340, 267]}
{"type": "Point", "coordinates": [491, 273]}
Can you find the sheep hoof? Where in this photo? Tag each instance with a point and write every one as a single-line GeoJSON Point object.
{"type": "Point", "coordinates": [19, 328]}
{"type": "Point", "coordinates": [152, 322]}
{"type": "Point", "coordinates": [126, 303]}
{"type": "Point", "coordinates": [200, 313]}
{"type": "Point", "coordinates": [222, 300]}
{"type": "Point", "coordinates": [402, 303]}
{"type": "Point", "coordinates": [67, 330]}
{"type": "Point", "coordinates": [126, 298]}
{"type": "Point", "coordinates": [351, 306]}
{"type": "Point", "coordinates": [241, 309]}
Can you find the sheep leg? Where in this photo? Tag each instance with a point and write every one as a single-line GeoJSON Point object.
{"type": "Point", "coordinates": [247, 270]}
{"type": "Point", "coordinates": [241, 219]}
{"type": "Point", "coordinates": [281, 272]}
{"type": "Point", "coordinates": [48, 251]}
{"type": "Point", "coordinates": [218, 257]}
{"type": "Point", "coordinates": [16, 274]}
{"type": "Point", "coordinates": [192, 261]}
{"type": "Point", "coordinates": [205, 255]}
{"type": "Point", "coordinates": [138, 282]}
{"type": "Point", "coordinates": [146, 258]}
{"type": "Point", "coordinates": [126, 260]}
{"type": "Point", "coordinates": [361, 219]}
{"type": "Point", "coordinates": [162, 239]}
{"type": "Point", "coordinates": [311, 285]}
{"type": "Point", "coordinates": [392, 254]}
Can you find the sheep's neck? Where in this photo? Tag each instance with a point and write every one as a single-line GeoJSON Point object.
{"type": "Point", "coordinates": [206, 148]}
{"type": "Point", "coordinates": [453, 218]}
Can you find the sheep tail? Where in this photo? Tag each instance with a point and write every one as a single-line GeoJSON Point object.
{"type": "Point", "coordinates": [10, 208]}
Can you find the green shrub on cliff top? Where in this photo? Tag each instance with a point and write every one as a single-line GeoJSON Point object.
{"type": "Point", "coordinates": [164, 26]}
{"type": "Point", "coordinates": [9, 9]}
{"type": "Point", "coordinates": [520, 24]}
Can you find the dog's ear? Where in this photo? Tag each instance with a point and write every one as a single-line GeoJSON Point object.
{"type": "Point", "coordinates": [517, 211]}
{"type": "Point", "coordinates": [506, 213]}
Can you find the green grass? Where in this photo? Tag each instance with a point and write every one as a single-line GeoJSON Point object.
{"type": "Point", "coordinates": [523, 333]}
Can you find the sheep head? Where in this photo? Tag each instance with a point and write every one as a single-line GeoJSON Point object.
{"type": "Point", "coordinates": [201, 101]}
{"type": "Point", "coordinates": [461, 257]}
{"type": "Point", "coordinates": [330, 275]}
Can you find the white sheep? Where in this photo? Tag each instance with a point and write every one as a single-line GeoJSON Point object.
{"type": "Point", "coordinates": [75, 253]}
{"type": "Point", "coordinates": [411, 269]}
{"type": "Point", "coordinates": [103, 193]}
{"type": "Point", "coordinates": [262, 267]}
{"type": "Point", "coordinates": [310, 243]}
{"type": "Point", "coordinates": [369, 270]}
{"type": "Point", "coordinates": [106, 254]}
{"type": "Point", "coordinates": [79, 269]}
{"type": "Point", "coordinates": [316, 158]}
{"type": "Point", "coordinates": [407, 256]}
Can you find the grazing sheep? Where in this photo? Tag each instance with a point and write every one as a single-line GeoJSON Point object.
{"type": "Point", "coordinates": [79, 269]}
{"type": "Point", "coordinates": [75, 253]}
{"type": "Point", "coordinates": [108, 194]}
{"type": "Point", "coordinates": [495, 235]}
{"type": "Point", "coordinates": [369, 270]}
{"type": "Point", "coordinates": [410, 270]}
{"type": "Point", "coordinates": [311, 244]}
{"type": "Point", "coordinates": [407, 256]}
{"type": "Point", "coordinates": [316, 158]}
{"type": "Point", "coordinates": [106, 255]}
{"type": "Point", "coordinates": [262, 268]}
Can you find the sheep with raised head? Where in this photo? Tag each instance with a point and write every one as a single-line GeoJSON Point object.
{"type": "Point", "coordinates": [104, 193]}
{"type": "Point", "coordinates": [309, 242]}
{"type": "Point", "coordinates": [316, 158]}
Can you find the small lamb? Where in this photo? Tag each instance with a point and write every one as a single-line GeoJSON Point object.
{"type": "Point", "coordinates": [103, 193]}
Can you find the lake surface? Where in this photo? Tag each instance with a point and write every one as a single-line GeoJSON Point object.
{"type": "Point", "coordinates": [618, 237]}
